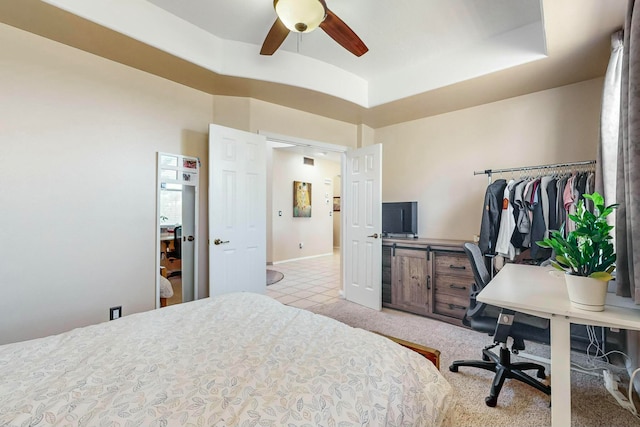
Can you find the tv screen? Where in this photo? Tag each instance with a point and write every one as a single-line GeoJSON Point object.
{"type": "Point", "coordinates": [400, 218]}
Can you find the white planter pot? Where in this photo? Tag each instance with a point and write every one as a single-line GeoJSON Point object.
{"type": "Point", "coordinates": [586, 293]}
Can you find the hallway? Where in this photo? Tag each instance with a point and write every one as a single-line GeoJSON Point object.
{"type": "Point", "coordinates": [308, 282]}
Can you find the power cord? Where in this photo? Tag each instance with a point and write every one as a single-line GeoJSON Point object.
{"type": "Point", "coordinates": [630, 392]}
{"type": "Point", "coordinates": [611, 380]}
{"type": "Point", "coordinates": [611, 383]}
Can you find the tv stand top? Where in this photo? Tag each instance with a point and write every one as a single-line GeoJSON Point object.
{"type": "Point", "coordinates": [399, 236]}
{"type": "Point", "coordinates": [423, 242]}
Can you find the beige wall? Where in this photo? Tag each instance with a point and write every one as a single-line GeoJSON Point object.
{"type": "Point", "coordinates": [299, 124]}
{"type": "Point", "coordinates": [316, 232]}
{"type": "Point", "coordinates": [79, 137]}
{"type": "Point", "coordinates": [432, 160]}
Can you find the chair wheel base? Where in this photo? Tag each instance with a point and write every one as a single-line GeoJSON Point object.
{"type": "Point", "coordinates": [491, 401]}
{"type": "Point", "coordinates": [453, 368]}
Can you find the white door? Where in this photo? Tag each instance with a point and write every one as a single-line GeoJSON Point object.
{"type": "Point", "coordinates": [237, 211]}
{"type": "Point", "coordinates": [362, 225]}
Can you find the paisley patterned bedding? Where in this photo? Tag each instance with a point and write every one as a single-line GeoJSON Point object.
{"type": "Point", "coordinates": [235, 360]}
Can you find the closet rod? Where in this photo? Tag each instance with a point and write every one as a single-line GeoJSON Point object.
{"type": "Point", "coordinates": [526, 168]}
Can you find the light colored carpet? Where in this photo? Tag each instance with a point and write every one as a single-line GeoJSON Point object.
{"type": "Point", "coordinates": [176, 284]}
{"type": "Point", "coordinates": [518, 404]}
{"type": "Point", "coordinates": [274, 276]}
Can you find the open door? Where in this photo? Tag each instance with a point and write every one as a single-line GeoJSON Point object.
{"type": "Point", "coordinates": [237, 211]}
{"type": "Point", "coordinates": [362, 226]}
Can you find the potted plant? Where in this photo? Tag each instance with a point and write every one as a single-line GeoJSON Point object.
{"type": "Point", "coordinates": [586, 254]}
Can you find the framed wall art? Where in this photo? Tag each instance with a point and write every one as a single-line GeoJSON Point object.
{"type": "Point", "coordinates": [336, 204]}
{"type": "Point", "coordinates": [301, 199]}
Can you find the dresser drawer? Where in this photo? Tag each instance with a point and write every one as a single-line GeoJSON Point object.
{"type": "Point", "coordinates": [453, 285]}
{"type": "Point", "coordinates": [453, 280]}
{"type": "Point", "coordinates": [452, 264]}
{"type": "Point", "coordinates": [451, 306]}
{"type": "Point", "coordinates": [450, 310]}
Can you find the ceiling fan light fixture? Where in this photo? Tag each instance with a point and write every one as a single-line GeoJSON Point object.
{"type": "Point", "coordinates": [301, 16]}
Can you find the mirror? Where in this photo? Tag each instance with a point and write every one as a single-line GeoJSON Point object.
{"type": "Point", "coordinates": [177, 207]}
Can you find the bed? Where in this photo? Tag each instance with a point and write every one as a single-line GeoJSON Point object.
{"type": "Point", "coordinates": [239, 359]}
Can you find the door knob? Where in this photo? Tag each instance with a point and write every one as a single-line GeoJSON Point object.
{"type": "Point", "coordinates": [190, 238]}
{"type": "Point", "coordinates": [220, 242]}
{"type": "Point", "coordinates": [375, 235]}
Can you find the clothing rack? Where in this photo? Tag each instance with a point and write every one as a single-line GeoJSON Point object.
{"type": "Point", "coordinates": [560, 166]}
{"type": "Point", "coordinates": [490, 172]}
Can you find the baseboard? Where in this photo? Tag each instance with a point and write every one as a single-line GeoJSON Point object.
{"type": "Point", "coordinates": [299, 259]}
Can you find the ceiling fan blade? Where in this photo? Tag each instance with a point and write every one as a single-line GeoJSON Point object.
{"type": "Point", "coordinates": [275, 37]}
{"type": "Point", "coordinates": [341, 33]}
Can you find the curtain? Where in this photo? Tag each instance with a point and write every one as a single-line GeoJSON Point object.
{"type": "Point", "coordinates": [607, 160]}
{"type": "Point", "coordinates": [628, 170]}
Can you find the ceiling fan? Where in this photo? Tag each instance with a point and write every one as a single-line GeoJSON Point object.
{"type": "Point", "coordinates": [303, 16]}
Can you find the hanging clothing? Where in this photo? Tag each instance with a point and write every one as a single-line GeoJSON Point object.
{"type": "Point", "coordinates": [521, 213]}
{"type": "Point", "coordinates": [517, 238]}
{"type": "Point", "coordinates": [544, 199]}
{"type": "Point", "coordinates": [538, 226]}
{"type": "Point", "coordinates": [504, 247]}
{"type": "Point", "coordinates": [491, 212]}
{"type": "Point", "coordinates": [570, 203]}
{"type": "Point", "coordinates": [561, 213]}
{"type": "Point", "coordinates": [581, 185]}
{"type": "Point", "coordinates": [553, 203]}
{"type": "Point", "coordinates": [523, 223]}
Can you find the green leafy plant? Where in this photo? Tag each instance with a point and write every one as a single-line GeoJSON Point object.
{"type": "Point", "coordinates": [587, 251]}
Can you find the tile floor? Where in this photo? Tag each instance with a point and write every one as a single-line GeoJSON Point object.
{"type": "Point", "coordinates": [308, 282]}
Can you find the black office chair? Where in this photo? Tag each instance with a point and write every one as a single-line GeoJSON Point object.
{"type": "Point", "coordinates": [501, 324]}
{"type": "Point", "coordinates": [176, 253]}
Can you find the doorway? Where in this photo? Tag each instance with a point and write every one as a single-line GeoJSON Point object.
{"type": "Point", "coordinates": [177, 224]}
{"type": "Point", "coordinates": [305, 240]}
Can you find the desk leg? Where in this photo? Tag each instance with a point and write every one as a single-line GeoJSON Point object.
{"type": "Point", "coordinates": [560, 372]}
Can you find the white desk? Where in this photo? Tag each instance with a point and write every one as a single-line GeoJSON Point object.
{"type": "Point", "coordinates": [542, 292]}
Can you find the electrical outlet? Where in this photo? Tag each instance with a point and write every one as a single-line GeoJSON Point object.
{"type": "Point", "coordinates": [300, 245]}
{"type": "Point", "coordinates": [115, 312]}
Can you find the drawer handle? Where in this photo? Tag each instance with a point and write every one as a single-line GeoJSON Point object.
{"type": "Point", "coordinates": [459, 307]}
{"type": "Point", "coordinates": [458, 287]}
{"type": "Point", "coordinates": [458, 267]}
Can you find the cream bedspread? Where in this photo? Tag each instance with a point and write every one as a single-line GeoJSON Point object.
{"type": "Point", "coordinates": [235, 360]}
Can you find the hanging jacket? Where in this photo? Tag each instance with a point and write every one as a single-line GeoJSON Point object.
{"type": "Point", "coordinates": [553, 203]}
{"type": "Point", "coordinates": [504, 247]}
{"type": "Point", "coordinates": [544, 199]}
{"type": "Point", "coordinates": [491, 212]}
{"type": "Point", "coordinates": [516, 236]}
{"type": "Point", "coordinates": [538, 226]}
{"type": "Point", "coordinates": [520, 238]}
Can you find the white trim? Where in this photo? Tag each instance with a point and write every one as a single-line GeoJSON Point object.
{"type": "Point", "coordinates": [299, 259]}
{"type": "Point", "coordinates": [291, 140]}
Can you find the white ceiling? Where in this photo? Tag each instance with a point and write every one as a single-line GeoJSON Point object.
{"type": "Point", "coordinates": [414, 45]}
{"type": "Point", "coordinates": [399, 33]}
{"type": "Point", "coordinates": [426, 57]}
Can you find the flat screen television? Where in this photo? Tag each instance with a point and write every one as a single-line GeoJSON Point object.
{"type": "Point", "coordinates": [400, 218]}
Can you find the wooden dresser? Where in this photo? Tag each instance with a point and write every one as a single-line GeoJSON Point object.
{"type": "Point", "coordinates": [430, 277]}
